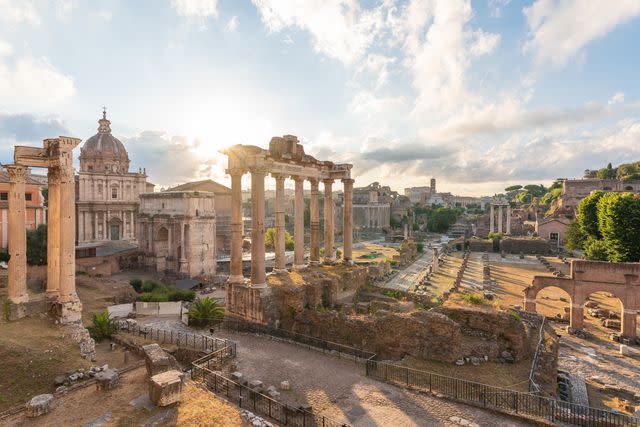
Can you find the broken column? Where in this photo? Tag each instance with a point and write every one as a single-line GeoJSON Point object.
{"type": "Point", "coordinates": [491, 220]}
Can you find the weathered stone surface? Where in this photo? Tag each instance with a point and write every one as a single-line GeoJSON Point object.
{"type": "Point", "coordinates": [107, 379]}
{"type": "Point", "coordinates": [157, 360]}
{"type": "Point", "coordinates": [165, 388]}
{"type": "Point", "coordinates": [284, 385]}
{"type": "Point", "coordinates": [40, 405]}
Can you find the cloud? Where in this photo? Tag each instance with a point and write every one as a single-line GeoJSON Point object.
{"type": "Point", "coordinates": [232, 25]}
{"type": "Point", "coordinates": [340, 29]}
{"type": "Point", "coordinates": [559, 29]}
{"type": "Point", "coordinates": [5, 48]}
{"type": "Point", "coordinates": [171, 160]}
{"type": "Point", "coordinates": [617, 98]}
{"type": "Point", "coordinates": [496, 7]}
{"type": "Point", "coordinates": [26, 129]}
{"type": "Point", "coordinates": [18, 12]}
{"type": "Point", "coordinates": [33, 82]}
{"type": "Point", "coordinates": [196, 8]}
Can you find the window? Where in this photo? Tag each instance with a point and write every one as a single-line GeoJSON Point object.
{"type": "Point", "coordinates": [28, 197]}
{"type": "Point", "coordinates": [90, 168]}
{"type": "Point", "coordinates": [628, 188]}
{"type": "Point", "coordinates": [114, 193]}
{"type": "Point", "coordinates": [553, 237]}
{"type": "Point", "coordinates": [4, 196]}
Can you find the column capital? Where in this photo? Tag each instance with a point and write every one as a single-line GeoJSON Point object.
{"type": "Point", "coordinates": [328, 181]}
{"type": "Point", "coordinates": [17, 173]}
{"type": "Point", "coordinates": [258, 170]}
{"type": "Point", "coordinates": [278, 176]}
{"type": "Point", "coordinates": [297, 178]}
{"type": "Point", "coordinates": [313, 181]}
{"type": "Point", "coordinates": [53, 175]}
{"type": "Point", "coordinates": [348, 180]}
{"type": "Point", "coordinates": [236, 171]}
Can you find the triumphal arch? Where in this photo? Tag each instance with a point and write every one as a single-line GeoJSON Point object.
{"type": "Point", "coordinates": [56, 156]}
{"type": "Point", "coordinates": [284, 159]}
{"type": "Point", "coordinates": [620, 279]}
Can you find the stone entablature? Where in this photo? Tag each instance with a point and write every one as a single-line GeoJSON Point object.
{"type": "Point", "coordinates": [178, 232]}
{"type": "Point", "coordinates": [620, 279]}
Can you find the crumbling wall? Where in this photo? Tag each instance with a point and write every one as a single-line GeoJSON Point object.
{"type": "Point", "coordinates": [527, 245]}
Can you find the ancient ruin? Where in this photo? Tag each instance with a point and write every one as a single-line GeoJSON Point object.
{"type": "Point", "coordinates": [284, 159]}
{"type": "Point", "coordinates": [622, 280]}
{"type": "Point", "coordinates": [56, 156]}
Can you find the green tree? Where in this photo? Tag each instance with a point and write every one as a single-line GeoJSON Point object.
{"type": "Point", "coordinates": [619, 223]}
{"type": "Point", "coordinates": [588, 215]}
{"type": "Point", "coordinates": [574, 237]}
{"type": "Point", "coordinates": [606, 173]}
{"type": "Point", "coordinates": [595, 250]}
{"type": "Point", "coordinates": [205, 311]}
{"type": "Point", "coordinates": [37, 245]}
{"type": "Point", "coordinates": [102, 326]}
{"type": "Point", "coordinates": [270, 239]}
{"type": "Point", "coordinates": [513, 188]}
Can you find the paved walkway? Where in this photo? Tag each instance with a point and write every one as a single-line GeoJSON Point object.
{"type": "Point", "coordinates": [407, 278]}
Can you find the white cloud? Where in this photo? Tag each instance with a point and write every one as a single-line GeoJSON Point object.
{"type": "Point", "coordinates": [196, 8]}
{"type": "Point", "coordinates": [559, 29]}
{"type": "Point", "coordinates": [5, 48]}
{"type": "Point", "coordinates": [496, 6]}
{"type": "Point", "coordinates": [484, 43]}
{"type": "Point", "coordinates": [340, 29]}
{"type": "Point", "coordinates": [18, 11]}
{"type": "Point", "coordinates": [617, 98]}
{"type": "Point", "coordinates": [232, 24]}
{"type": "Point", "coordinates": [33, 82]}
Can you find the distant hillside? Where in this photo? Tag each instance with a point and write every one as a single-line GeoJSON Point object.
{"type": "Point", "coordinates": [624, 172]}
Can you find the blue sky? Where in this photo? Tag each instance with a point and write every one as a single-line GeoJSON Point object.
{"type": "Point", "coordinates": [479, 94]}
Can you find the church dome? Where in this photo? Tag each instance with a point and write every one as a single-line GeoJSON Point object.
{"type": "Point", "coordinates": [103, 152]}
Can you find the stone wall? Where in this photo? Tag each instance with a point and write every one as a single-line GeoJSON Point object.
{"type": "Point", "coordinates": [527, 245]}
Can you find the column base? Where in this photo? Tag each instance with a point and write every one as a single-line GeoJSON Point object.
{"type": "Point", "coordinates": [236, 279]}
{"type": "Point", "coordinates": [259, 286]}
{"type": "Point", "coordinates": [21, 299]}
{"type": "Point", "coordinates": [14, 311]}
{"type": "Point", "coordinates": [314, 263]}
{"type": "Point", "coordinates": [329, 261]}
{"type": "Point", "coordinates": [52, 296]}
{"type": "Point", "coordinates": [280, 271]}
{"type": "Point", "coordinates": [299, 267]}
{"type": "Point", "coordinates": [347, 262]}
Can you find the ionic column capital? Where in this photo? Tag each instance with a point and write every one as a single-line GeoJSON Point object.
{"type": "Point", "coordinates": [17, 174]}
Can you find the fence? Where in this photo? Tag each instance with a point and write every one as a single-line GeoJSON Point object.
{"type": "Point", "coordinates": [533, 386]}
{"type": "Point", "coordinates": [312, 343]}
{"type": "Point", "coordinates": [502, 400]}
{"type": "Point", "coordinates": [259, 403]}
{"type": "Point", "coordinates": [181, 339]}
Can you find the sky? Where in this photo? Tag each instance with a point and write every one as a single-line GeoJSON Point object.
{"type": "Point", "coordinates": [477, 94]}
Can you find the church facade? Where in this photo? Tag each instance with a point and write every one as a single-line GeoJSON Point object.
{"type": "Point", "coordinates": [107, 194]}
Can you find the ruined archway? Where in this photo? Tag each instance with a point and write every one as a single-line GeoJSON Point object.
{"type": "Point", "coordinates": [605, 308]}
{"type": "Point", "coordinates": [588, 277]}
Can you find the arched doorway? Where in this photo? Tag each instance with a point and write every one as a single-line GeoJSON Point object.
{"type": "Point", "coordinates": [607, 310]}
{"type": "Point", "coordinates": [554, 302]}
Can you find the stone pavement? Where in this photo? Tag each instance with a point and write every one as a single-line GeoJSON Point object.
{"type": "Point", "coordinates": [407, 278]}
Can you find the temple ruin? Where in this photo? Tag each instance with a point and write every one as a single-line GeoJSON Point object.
{"type": "Point", "coordinates": [284, 159]}
{"type": "Point", "coordinates": [61, 296]}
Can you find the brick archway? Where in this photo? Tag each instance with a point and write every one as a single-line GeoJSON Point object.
{"type": "Point", "coordinates": [621, 280]}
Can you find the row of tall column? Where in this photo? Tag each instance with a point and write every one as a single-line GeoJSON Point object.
{"type": "Point", "coordinates": [258, 272]}
{"type": "Point", "coordinates": [492, 227]}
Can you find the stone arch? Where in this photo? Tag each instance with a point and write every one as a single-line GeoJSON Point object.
{"type": "Point", "coordinates": [162, 234]}
{"type": "Point", "coordinates": [576, 299]}
{"type": "Point", "coordinates": [628, 188]}
{"type": "Point", "coordinates": [609, 293]}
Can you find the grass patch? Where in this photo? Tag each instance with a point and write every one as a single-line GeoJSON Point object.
{"type": "Point", "coordinates": [391, 294]}
{"type": "Point", "coordinates": [472, 299]}
{"type": "Point", "coordinates": [157, 292]}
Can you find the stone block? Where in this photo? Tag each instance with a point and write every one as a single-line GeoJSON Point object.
{"type": "Point", "coordinates": [108, 379]}
{"type": "Point", "coordinates": [40, 405]}
{"type": "Point", "coordinates": [165, 388]}
{"type": "Point", "coordinates": [284, 385]}
{"type": "Point", "coordinates": [255, 385]}
{"type": "Point", "coordinates": [237, 377]}
{"type": "Point", "coordinates": [157, 360]}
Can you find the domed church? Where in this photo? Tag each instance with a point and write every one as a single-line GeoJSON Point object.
{"type": "Point", "coordinates": [107, 193]}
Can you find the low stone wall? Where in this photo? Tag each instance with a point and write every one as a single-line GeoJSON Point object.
{"type": "Point", "coordinates": [480, 245]}
{"type": "Point", "coordinates": [526, 245]}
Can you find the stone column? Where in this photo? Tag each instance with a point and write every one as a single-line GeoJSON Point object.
{"type": "Point", "coordinates": [53, 235]}
{"type": "Point", "coordinates": [499, 219]}
{"type": "Point", "coordinates": [298, 224]}
{"type": "Point", "coordinates": [258, 272]}
{"type": "Point", "coordinates": [104, 225]}
{"type": "Point", "coordinates": [71, 307]}
{"type": "Point", "coordinates": [629, 323]}
{"type": "Point", "coordinates": [279, 243]}
{"type": "Point", "coordinates": [347, 221]}
{"type": "Point", "coordinates": [314, 211]}
{"type": "Point", "coordinates": [508, 219]}
{"type": "Point", "coordinates": [491, 221]}
{"type": "Point", "coordinates": [184, 266]}
{"type": "Point", "coordinates": [235, 268]}
{"type": "Point", "coordinates": [329, 254]}
{"type": "Point", "coordinates": [576, 316]}
{"type": "Point", "coordinates": [17, 235]}
{"type": "Point", "coordinates": [81, 227]}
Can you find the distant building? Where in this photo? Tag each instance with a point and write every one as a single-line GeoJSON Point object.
{"type": "Point", "coordinates": [553, 229]}
{"type": "Point", "coordinates": [222, 208]}
{"type": "Point", "coordinates": [107, 194]}
{"type": "Point", "coordinates": [178, 232]}
{"type": "Point", "coordinates": [574, 190]}
{"type": "Point", "coordinates": [372, 206]}
{"type": "Point", "coordinates": [421, 194]}
{"type": "Point", "coordinates": [34, 203]}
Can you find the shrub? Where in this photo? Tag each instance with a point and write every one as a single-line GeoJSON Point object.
{"type": "Point", "coordinates": [181, 295]}
{"type": "Point", "coordinates": [136, 284]}
{"type": "Point", "coordinates": [150, 286]}
{"type": "Point", "coordinates": [154, 297]}
{"type": "Point", "coordinates": [37, 245]}
{"type": "Point", "coordinates": [103, 326]}
{"type": "Point", "coordinates": [472, 299]}
{"type": "Point", "coordinates": [515, 315]}
{"type": "Point", "coordinates": [392, 294]}
{"type": "Point", "coordinates": [205, 311]}
{"type": "Point", "coordinates": [420, 247]}
{"type": "Point", "coordinates": [338, 254]}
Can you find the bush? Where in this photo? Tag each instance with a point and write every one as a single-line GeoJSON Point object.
{"type": "Point", "coordinates": [338, 254]}
{"type": "Point", "coordinates": [420, 247]}
{"type": "Point", "coordinates": [595, 250]}
{"type": "Point", "coordinates": [150, 286]}
{"type": "Point", "coordinates": [154, 297]}
{"type": "Point", "coordinates": [181, 295]}
{"type": "Point", "coordinates": [205, 311]}
{"type": "Point", "coordinates": [472, 299]}
{"type": "Point", "coordinates": [103, 326]}
{"type": "Point", "coordinates": [4, 256]}
{"type": "Point", "coordinates": [37, 245]}
{"type": "Point", "coordinates": [136, 284]}
{"type": "Point", "coordinates": [392, 294]}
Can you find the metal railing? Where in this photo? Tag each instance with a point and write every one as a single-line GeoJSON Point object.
{"type": "Point", "coordinates": [499, 399]}
{"type": "Point", "coordinates": [178, 338]}
{"type": "Point", "coordinates": [533, 386]}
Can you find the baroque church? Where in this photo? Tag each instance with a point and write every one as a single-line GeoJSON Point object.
{"type": "Point", "coordinates": [107, 193]}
